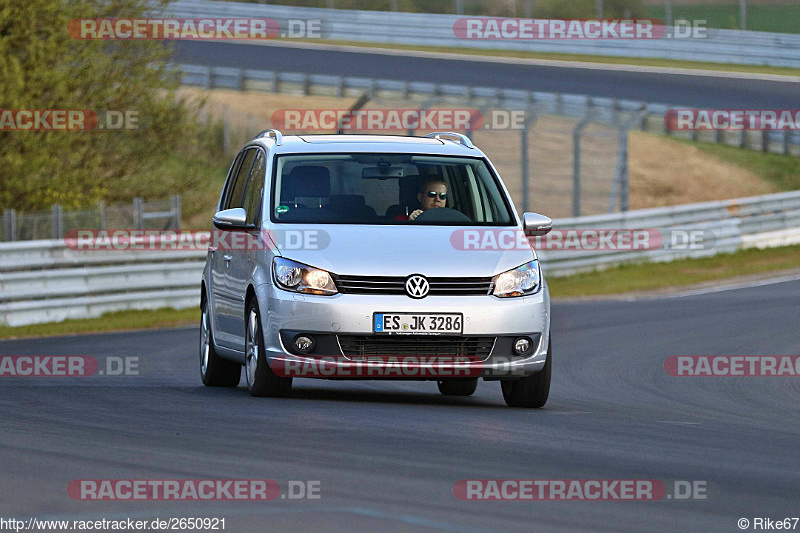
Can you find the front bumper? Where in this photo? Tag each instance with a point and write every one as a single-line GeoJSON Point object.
{"type": "Point", "coordinates": [351, 314]}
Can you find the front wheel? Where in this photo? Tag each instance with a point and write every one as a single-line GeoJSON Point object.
{"type": "Point", "coordinates": [458, 387]}
{"type": "Point", "coordinates": [261, 380]}
{"type": "Point", "coordinates": [214, 370]}
{"type": "Point", "coordinates": [530, 391]}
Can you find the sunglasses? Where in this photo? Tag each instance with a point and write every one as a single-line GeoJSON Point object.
{"type": "Point", "coordinates": [433, 194]}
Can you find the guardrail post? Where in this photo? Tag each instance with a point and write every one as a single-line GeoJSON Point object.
{"type": "Point", "coordinates": [459, 7]}
{"type": "Point", "coordinates": [56, 222]}
{"type": "Point", "coordinates": [306, 84]}
{"type": "Point", "coordinates": [138, 219]}
{"type": "Point", "coordinates": [10, 224]}
{"type": "Point", "coordinates": [765, 141]}
{"type": "Point", "coordinates": [743, 139]}
{"type": "Point", "coordinates": [240, 79]}
{"type": "Point", "coordinates": [175, 207]}
{"type": "Point", "coordinates": [209, 81]}
{"type": "Point", "coordinates": [785, 143]}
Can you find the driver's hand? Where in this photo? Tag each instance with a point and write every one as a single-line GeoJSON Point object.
{"type": "Point", "coordinates": [415, 214]}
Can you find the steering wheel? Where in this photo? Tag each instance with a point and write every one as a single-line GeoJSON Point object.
{"type": "Point", "coordinates": [442, 214]}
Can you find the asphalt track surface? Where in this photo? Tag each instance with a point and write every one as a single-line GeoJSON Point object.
{"type": "Point", "coordinates": [691, 91]}
{"type": "Point", "coordinates": [387, 454]}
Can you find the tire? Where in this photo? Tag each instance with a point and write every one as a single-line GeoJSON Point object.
{"type": "Point", "coordinates": [214, 370]}
{"type": "Point", "coordinates": [458, 387]}
{"type": "Point", "coordinates": [261, 380]}
{"type": "Point", "coordinates": [530, 391]}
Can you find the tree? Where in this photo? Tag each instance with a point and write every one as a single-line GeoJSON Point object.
{"type": "Point", "coordinates": [42, 67]}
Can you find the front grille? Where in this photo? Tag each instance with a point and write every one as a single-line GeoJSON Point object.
{"type": "Point", "coordinates": [400, 345]}
{"type": "Point", "coordinates": [397, 285]}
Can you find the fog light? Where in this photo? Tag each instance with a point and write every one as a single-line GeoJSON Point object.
{"type": "Point", "coordinates": [303, 343]}
{"type": "Point", "coordinates": [522, 345]}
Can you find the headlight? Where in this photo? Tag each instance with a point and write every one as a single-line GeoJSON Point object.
{"type": "Point", "coordinates": [521, 281]}
{"type": "Point", "coordinates": [297, 277]}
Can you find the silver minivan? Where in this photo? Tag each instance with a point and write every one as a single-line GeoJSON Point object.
{"type": "Point", "coordinates": [373, 257]}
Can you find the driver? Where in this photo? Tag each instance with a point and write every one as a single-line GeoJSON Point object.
{"type": "Point", "coordinates": [432, 194]}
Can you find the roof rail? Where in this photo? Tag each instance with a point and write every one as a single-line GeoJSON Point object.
{"type": "Point", "coordinates": [275, 134]}
{"type": "Point", "coordinates": [462, 139]}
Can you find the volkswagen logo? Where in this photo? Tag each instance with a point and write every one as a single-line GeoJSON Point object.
{"type": "Point", "coordinates": [417, 286]}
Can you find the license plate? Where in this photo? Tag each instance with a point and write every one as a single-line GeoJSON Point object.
{"type": "Point", "coordinates": [417, 323]}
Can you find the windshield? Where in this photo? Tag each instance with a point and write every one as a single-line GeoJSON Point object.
{"type": "Point", "coordinates": [361, 188]}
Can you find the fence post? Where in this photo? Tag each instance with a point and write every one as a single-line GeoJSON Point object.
{"type": "Point", "coordinates": [340, 86]}
{"type": "Point", "coordinates": [623, 180]}
{"type": "Point", "coordinates": [523, 163]}
{"type": "Point", "coordinates": [743, 14]}
{"type": "Point", "coordinates": [226, 130]}
{"type": "Point", "coordinates": [576, 160]}
{"type": "Point", "coordinates": [138, 219]}
{"type": "Point", "coordinates": [102, 208]}
{"type": "Point", "coordinates": [175, 207]}
{"type": "Point", "coordinates": [10, 224]}
{"type": "Point", "coordinates": [56, 222]}
{"type": "Point", "coordinates": [530, 117]}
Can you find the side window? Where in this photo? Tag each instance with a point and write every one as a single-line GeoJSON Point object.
{"type": "Point", "coordinates": [255, 186]}
{"type": "Point", "coordinates": [230, 179]}
{"type": "Point", "coordinates": [236, 194]}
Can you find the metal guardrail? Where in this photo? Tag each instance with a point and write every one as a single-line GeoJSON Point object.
{"type": "Point", "coordinates": [722, 46]}
{"type": "Point", "coordinates": [44, 281]}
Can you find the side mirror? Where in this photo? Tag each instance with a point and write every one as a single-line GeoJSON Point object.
{"type": "Point", "coordinates": [536, 224]}
{"type": "Point", "coordinates": [231, 219]}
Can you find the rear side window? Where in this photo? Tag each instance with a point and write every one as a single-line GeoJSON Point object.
{"type": "Point", "coordinates": [235, 197]}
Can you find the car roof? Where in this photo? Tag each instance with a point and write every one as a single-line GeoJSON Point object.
{"type": "Point", "coordinates": [319, 143]}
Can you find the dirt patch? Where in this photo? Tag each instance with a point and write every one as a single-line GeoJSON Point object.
{"type": "Point", "coordinates": [665, 172]}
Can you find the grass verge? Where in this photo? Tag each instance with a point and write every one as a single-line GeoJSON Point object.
{"type": "Point", "coordinates": [115, 321]}
{"type": "Point", "coordinates": [684, 272]}
{"type": "Point", "coordinates": [610, 60]}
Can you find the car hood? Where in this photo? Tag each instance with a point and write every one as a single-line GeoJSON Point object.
{"type": "Point", "coordinates": [435, 251]}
